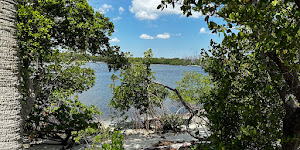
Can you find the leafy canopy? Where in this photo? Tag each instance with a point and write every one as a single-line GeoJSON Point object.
{"type": "Point", "coordinates": [135, 89]}
{"type": "Point", "coordinates": [194, 87]}
{"type": "Point", "coordinates": [255, 70]}
{"type": "Point", "coordinates": [51, 33]}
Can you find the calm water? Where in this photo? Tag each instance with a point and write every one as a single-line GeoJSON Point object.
{"type": "Point", "coordinates": [100, 94]}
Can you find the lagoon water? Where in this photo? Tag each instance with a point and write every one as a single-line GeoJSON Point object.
{"type": "Point", "coordinates": [100, 94]}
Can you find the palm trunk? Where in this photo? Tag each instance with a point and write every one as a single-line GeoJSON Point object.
{"type": "Point", "coordinates": [10, 104]}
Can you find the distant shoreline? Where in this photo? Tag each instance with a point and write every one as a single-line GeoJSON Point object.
{"type": "Point", "coordinates": [164, 61]}
{"type": "Point", "coordinates": [151, 64]}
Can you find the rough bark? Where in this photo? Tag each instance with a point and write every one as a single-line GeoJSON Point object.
{"type": "Point", "coordinates": [289, 92]}
{"type": "Point", "coordinates": [291, 77]}
{"type": "Point", "coordinates": [10, 105]}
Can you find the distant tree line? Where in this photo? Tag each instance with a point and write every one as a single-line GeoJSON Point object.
{"type": "Point", "coordinates": [169, 61]}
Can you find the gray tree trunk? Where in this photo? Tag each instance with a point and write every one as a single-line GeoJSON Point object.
{"type": "Point", "coordinates": [291, 124]}
{"type": "Point", "coordinates": [10, 104]}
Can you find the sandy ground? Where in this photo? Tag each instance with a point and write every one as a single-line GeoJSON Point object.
{"type": "Point", "coordinates": [142, 141]}
{"type": "Point", "coordinates": [131, 142]}
{"type": "Point", "coordinates": [134, 139]}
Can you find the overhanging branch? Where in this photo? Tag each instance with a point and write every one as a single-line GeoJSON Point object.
{"type": "Point", "coordinates": [186, 105]}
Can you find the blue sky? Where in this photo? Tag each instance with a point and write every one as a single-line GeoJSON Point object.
{"type": "Point", "coordinates": [140, 26]}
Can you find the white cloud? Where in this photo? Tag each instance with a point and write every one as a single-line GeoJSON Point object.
{"type": "Point", "coordinates": [177, 34]}
{"type": "Point", "coordinates": [104, 8]}
{"type": "Point", "coordinates": [163, 36]}
{"type": "Point", "coordinates": [147, 10]}
{"type": "Point", "coordinates": [196, 15]}
{"type": "Point", "coordinates": [202, 30]}
{"type": "Point", "coordinates": [114, 40]}
{"type": "Point", "coordinates": [117, 18]}
{"type": "Point", "coordinates": [147, 37]}
{"type": "Point", "coordinates": [121, 10]}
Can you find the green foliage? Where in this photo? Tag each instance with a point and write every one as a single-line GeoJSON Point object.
{"type": "Point", "coordinates": [51, 36]}
{"type": "Point", "coordinates": [47, 28]}
{"type": "Point", "coordinates": [172, 122]}
{"type": "Point", "coordinates": [135, 89]}
{"type": "Point", "coordinates": [65, 24]}
{"type": "Point", "coordinates": [62, 116]}
{"type": "Point", "coordinates": [253, 70]}
{"type": "Point", "coordinates": [168, 61]}
{"type": "Point", "coordinates": [193, 87]}
{"type": "Point", "coordinates": [116, 142]}
{"type": "Point", "coordinates": [91, 58]}
{"type": "Point", "coordinates": [100, 137]}
{"type": "Point", "coordinates": [232, 106]}
{"type": "Point", "coordinates": [243, 115]}
{"type": "Point", "coordinates": [171, 61]}
{"type": "Point", "coordinates": [70, 77]}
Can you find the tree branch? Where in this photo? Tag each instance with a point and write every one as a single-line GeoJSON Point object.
{"type": "Point", "coordinates": [186, 105]}
{"type": "Point", "coordinates": [289, 76]}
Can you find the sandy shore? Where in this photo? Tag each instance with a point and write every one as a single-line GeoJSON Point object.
{"type": "Point", "coordinates": [134, 139]}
